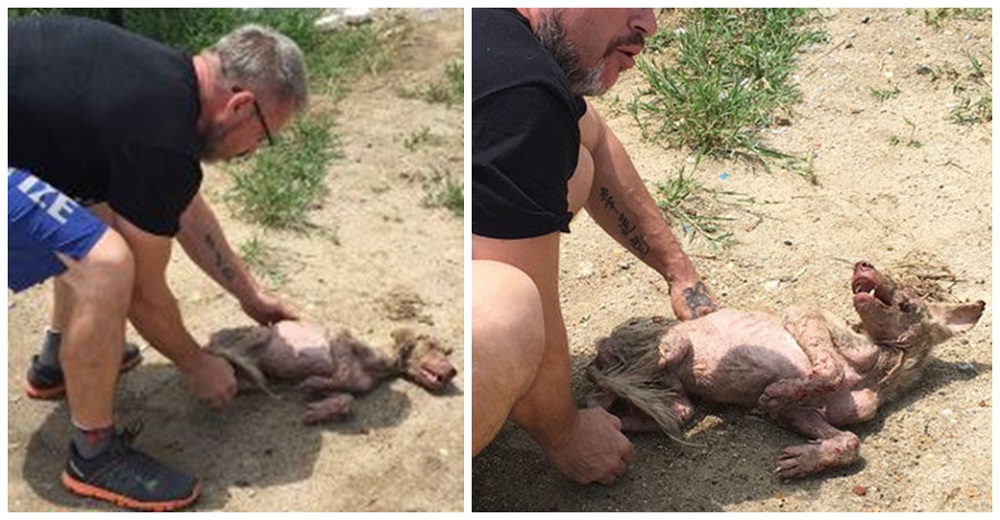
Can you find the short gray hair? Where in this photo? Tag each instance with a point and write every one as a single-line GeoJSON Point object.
{"type": "Point", "coordinates": [266, 62]}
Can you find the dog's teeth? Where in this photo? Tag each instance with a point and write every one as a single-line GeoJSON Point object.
{"type": "Point", "coordinates": [872, 292]}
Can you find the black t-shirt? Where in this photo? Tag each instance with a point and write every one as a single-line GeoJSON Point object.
{"type": "Point", "coordinates": [104, 116]}
{"type": "Point", "coordinates": [525, 133]}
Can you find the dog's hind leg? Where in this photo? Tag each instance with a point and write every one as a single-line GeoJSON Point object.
{"type": "Point", "coordinates": [334, 408]}
{"type": "Point", "coordinates": [673, 347]}
{"type": "Point", "coordinates": [319, 386]}
{"type": "Point", "coordinates": [830, 448]}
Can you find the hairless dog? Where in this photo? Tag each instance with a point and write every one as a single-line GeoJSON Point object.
{"type": "Point", "coordinates": [331, 369]}
{"type": "Point", "coordinates": [806, 368]}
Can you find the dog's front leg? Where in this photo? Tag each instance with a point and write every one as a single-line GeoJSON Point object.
{"type": "Point", "coordinates": [811, 331]}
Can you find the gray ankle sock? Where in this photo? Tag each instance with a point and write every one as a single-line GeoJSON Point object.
{"type": "Point", "coordinates": [90, 443]}
{"type": "Point", "coordinates": [49, 355]}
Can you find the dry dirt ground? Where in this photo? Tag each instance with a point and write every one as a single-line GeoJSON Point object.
{"type": "Point", "coordinates": [378, 260]}
{"type": "Point", "coordinates": [929, 451]}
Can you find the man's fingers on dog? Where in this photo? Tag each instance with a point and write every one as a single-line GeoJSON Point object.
{"type": "Point", "coordinates": [629, 456]}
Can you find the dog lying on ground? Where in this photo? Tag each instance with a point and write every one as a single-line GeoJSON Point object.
{"type": "Point", "coordinates": [331, 369]}
{"type": "Point", "coordinates": [806, 368]}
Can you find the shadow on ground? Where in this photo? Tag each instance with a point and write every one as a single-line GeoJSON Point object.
{"type": "Point", "coordinates": [258, 441]}
{"type": "Point", "coordinates": [731, 464]}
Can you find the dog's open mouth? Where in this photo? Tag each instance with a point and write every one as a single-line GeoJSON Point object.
{"type": "Point", "coordinates": [866, 289]}
{"type": "Point", "coordinates": [433, 380]}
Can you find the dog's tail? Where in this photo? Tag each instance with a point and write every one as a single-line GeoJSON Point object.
{"type": "Point", "coordinates": [247, 370]}
{"type": "Point", "coordinates": [649, 398]}
{"type": "Point", "coordinates": [234, 345]}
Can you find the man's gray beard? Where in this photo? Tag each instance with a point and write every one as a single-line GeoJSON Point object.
{"type": "Point", "coordinates": [552, 35]}
{"type": "Point", "coordinates": [209, 145]}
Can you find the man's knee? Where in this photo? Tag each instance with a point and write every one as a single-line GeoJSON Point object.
{"type": "Point", "coordinates": [506, 311]}
{"type": "Point", "coordinates": [106, 271]}
{"type": "Point", "coordinates": [508, 339]}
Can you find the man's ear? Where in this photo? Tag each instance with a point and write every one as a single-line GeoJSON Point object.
{"type": "Point", "coordinates": [240, 101]}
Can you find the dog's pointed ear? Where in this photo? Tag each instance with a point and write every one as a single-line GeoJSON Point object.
{"type": "Point", "coordinates": [406, 341]}
{"type": "Point", "coordinates": [957, 318]}
{"type": "Point", "coordinates": [403, 336]}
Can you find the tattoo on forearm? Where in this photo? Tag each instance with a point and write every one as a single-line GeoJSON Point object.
{"type": "Point", "coordinates": [625, 226]}
{"type": "Point", "coordinates": [220, 261]}
{"type": "Point", "coordinates": [697, 297]}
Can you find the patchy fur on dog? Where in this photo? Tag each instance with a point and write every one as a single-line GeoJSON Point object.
{"type": "Point", "coordinates": [806, 368]}
{"type": "Point", "coordinates": [330, 369]}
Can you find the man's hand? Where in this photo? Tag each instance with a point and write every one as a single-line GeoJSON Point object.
{"type": "Point", "coordinates": [596, 450]}
{"type": "Point", "coordinates": [211, 379]}
{"type": "Point", "coordinates": [691, 301]}
{"type": "Point", "coordinates": [266, 309]}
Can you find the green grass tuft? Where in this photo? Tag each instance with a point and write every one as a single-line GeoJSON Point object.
{"type": "Point", "coordinates": [442, 190]}
{"type": "Point", "coordinates": [690, 205]}
{"type": "Point", "coordinates": [969, 111]}
{"type": "Point", "coordinates": [885, 94]}
{"type": "Point", "coordinates": [975, 104]}
{"type": "Point", "coordinates": [450, 90]}
{"type": "Point", "coordinates": [263, 259]}
{"type": "Point", "coordinates": [937, 18]}
{"type": "Point", "coordinates": [286, 180]}
{"type": "Point", "coordinates": [729, 74]}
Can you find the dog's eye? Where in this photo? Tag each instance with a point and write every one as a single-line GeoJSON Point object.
{"type": "Point", "coordinates": [905, 306]}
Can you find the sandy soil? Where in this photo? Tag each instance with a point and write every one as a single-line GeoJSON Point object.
{"type": "Point", "coordinates": [929, 451]}
{"type": "Point", "coordinates": [378, 260]}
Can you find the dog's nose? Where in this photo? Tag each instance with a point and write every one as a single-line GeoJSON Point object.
{"type": "Point", "coordinates": [863, 266]}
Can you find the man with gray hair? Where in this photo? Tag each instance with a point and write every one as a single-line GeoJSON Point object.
{"type": "Point", "coordinates": [107, 131]}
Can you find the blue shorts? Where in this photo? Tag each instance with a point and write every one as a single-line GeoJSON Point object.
{"type": "Point", "coordinates": [42, 221]}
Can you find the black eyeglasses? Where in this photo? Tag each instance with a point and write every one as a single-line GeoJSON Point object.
{"type": "Point", "coordinates": [260, 117]}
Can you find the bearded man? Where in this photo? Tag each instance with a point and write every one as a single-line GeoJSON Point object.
{"type": "Point", "coordinates": [540, 153]}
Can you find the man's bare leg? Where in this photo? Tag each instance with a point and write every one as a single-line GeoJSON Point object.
{"type": "Point", "coordinates": [508, 338]}
{"type": "Point", "coordinates": [62, 304]}
{"type": "Point", "coordinates": [585, 445]}
{"type": "Point", "coordinates": [101, 285]}
{"type": "Point", "coordinates": [101, 464]}
{"type": "Point", "coordinates": [62, 293]}
{"type": "Point", "coordinates": [47, 365]}
{"type": "Point", "coordinates": [48, 354]}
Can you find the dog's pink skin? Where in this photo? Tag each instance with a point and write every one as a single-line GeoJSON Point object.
{"type": "Point", "coordinates": [332, 367]}
{"type": "Point", "coordinates": [295, 351]}
{"type": "Point", "coordinates": [298, 352]}
{"type": "Point", "coordinates": [807, 369]}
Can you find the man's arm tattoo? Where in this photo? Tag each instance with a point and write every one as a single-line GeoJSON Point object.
{"type": "Point", "coordinates": [220, 261]}
{"type": "Point", "coordinates": [696, 297]}
{"type": "Point", "coordinates": [627, 229]}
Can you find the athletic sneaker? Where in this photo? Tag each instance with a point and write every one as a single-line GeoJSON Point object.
{"type": "Point", "coordinates": [129, 478]}
{"type": "Point", "coordinates": [46, 383]}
